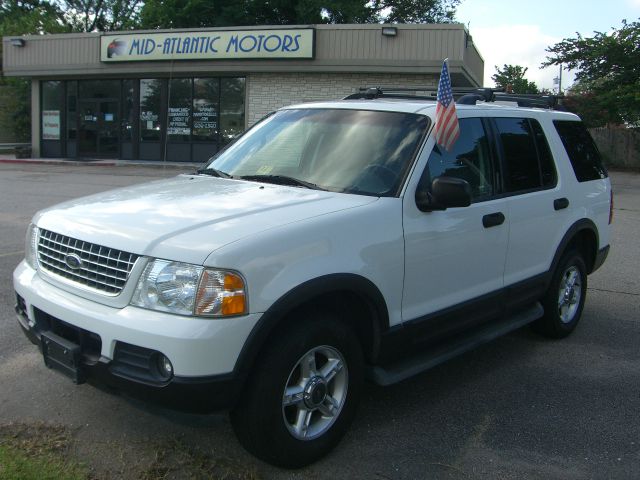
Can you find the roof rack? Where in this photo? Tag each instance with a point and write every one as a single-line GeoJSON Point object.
{"type": "Point", "coordinates": [463, 96]}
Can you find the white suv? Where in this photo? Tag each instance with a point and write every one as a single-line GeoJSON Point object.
{"type": "Point", "coordinates": [331, 242]}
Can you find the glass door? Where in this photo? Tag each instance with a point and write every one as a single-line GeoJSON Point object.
{"type": "Point", "coordinates": [98, 133]}
{"type": "Point", "coordinates": [108, 133]}
{"type": "Point", "coordinates": [88, 131]}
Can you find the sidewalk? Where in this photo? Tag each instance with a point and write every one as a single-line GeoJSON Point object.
{"type": "Point", "coordinates": [97, 162]}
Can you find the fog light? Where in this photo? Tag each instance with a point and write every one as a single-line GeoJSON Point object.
{"type": "Point", "coordinates": [164, 367]}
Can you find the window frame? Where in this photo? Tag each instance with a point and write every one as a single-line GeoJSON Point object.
{"type": "Point", "coordinates": [496, 169]}
{"type": "Point", "coordinates": [501, 157]}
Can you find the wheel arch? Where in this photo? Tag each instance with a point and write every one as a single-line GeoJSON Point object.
{"type": "Point", "coordinates": [352, 294]}
{"type": "Point", "coordinates": [583, 237]}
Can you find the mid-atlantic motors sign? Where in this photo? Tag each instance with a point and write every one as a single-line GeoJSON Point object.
{"type": "Point", "coordinates": [208, 45]}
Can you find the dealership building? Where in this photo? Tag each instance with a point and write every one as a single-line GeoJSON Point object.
{"type": "Point", "coordinates": [181, 95]}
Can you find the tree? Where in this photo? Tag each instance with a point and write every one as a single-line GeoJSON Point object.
{"type": "Point", "coordinates": [608, 73]}
{"type": "Point", "coordinates": [18, 18]}
{"type": "Point", "coordinates": [101, 15]}
{"type": "Point", "coordinates": [222, 13]}
{"type": "Point", "coordinates": [513, 75]}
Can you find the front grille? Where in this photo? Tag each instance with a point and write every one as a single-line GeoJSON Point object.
{"type": "Point", "coordinates": [101, 268]}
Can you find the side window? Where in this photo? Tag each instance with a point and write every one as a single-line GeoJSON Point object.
{"type": "Point", "coordinates": [547, 167]}
{"type": "Point", "coordinates": [582, 151]}
{"type": "Point", "coordinates": [520, 154]}
{"type": "Point", "coordinates": [469, 160]}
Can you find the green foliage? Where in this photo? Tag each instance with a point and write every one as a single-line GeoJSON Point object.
{"type": "Point", "coordinates": [513, 75]}
{"type": "Point", "coordinates": [608, 74]}
{"type": "Point", "coordinates": [18, 18]}
{"type": "Point", "coordinates": [15, 465]}
{"type": "Point", "coordinates": [34, 16]}
{"type": "Point", "coordinates": [30, 451]}
{"type": "Point", "coordinates": [222, 13]}
{"type": "Point", "coordinates": [101, 15]}
{"type": "Point", "coordinates": [15, 109]}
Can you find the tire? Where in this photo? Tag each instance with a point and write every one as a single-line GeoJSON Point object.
{"type": "Point", "coordinates": [564, 300]}
{"type": "Point", "coordinates": [303, 393]}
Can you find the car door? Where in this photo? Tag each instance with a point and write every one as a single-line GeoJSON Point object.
{"type": "Point", "coordinates": [454, 259]}
{"type": "Point", "coordinates": [537, 210]}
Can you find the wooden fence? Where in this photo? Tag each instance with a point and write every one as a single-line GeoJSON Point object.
{"type": "Point", "coordinates": [619, 146]}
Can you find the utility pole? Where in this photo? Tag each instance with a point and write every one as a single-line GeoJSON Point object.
{"type": "Point", "coordinates": [560, 81]}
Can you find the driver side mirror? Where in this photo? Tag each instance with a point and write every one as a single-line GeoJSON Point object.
{"type": "Point", "coordinates": [446, 192]}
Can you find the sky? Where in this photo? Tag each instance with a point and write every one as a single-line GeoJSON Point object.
{"type": "Point", "coordinates": [517, 32]}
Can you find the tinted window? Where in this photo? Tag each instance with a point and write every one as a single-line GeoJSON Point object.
{"type": "Point", "coordinates": [469, 160]}
{"type": "Point", "coordinates": [52, 102]}
{"type": "Point", "coordinates": [231, 108]}
{"type": "Point", "coordinates": [179, 114]}
{"type": "Point", "coordinates": [547, 168]}
{"type": "Point", "coordinates": [205, 108]}
{"type": "Point", "coordinates": [127, 110]}
{"type": "Point", "coordinates": [520, 155]}
{"type": "Point", "coordinates": [582, 151]}
{"type": "Point", "coordinates": [150, 101]}
{"type": "Point", "coordinates": [72, 102]}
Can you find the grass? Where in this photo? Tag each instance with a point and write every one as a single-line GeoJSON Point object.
{"type": "Point", "coordinates": [41, 451]}
{"type": "Point", "coordinates": [175, 459]}
{"type": "Point", "coordinates": [15, 465]}
{"type": "Point", "coordinates": [36, 451]}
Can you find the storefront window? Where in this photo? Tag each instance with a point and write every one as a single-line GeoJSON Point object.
{"type": "Point", "coordinates": [72, 105]}
{"type": "Point", "coordinates": [231, 108]}
{"type": "Point", "coordinates": [100, 89]}
{"type": "Point", "coordinates": [51, 109]}
{"type": "Point", "coordinates": [179, 114]}
{"type": "Point", "coordinates": [205, 108]}
{"type": "Point", "coordinates": [127, 110]}
{"type": "Point", "coordinates": [150, 102]}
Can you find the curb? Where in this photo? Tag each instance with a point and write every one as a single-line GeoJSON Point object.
{"type": "Point", "coordinates": [33, 161]}
{"type": "Point", "coordinates": [98, 163]}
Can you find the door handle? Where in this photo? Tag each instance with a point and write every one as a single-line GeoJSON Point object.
{"type": "Point", "coordinates": [493, 220]}
{"type": "Point", "coordinates": [560, 203]}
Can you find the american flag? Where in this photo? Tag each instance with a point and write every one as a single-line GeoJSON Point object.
{"type": "Point", "coordinates": [447, 129]}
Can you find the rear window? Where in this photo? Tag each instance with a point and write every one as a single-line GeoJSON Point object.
{"type": "Point", "coordinates": [582, 150]}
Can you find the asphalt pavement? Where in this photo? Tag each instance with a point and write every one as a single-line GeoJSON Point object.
{"type": "Point", "coordinates": [519, 407]}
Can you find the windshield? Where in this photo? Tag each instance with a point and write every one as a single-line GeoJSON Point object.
{"type": "Point", "coordinates": [351, 151]}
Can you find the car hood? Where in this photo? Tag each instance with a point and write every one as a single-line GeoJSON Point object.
{"type": "Point", "coordinates": [188, 217]}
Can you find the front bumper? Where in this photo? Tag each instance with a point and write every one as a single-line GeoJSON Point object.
{"type": "Point", "coordinates": [203, 352]}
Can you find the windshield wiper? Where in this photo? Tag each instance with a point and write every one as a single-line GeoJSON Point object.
{"type": "Point", "coordinates": [213, 172]}
{"type": "Point", "coordinates": [281, 180]}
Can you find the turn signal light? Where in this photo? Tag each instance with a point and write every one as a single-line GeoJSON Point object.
{"type": "Point", "coordinates": [221, 293]}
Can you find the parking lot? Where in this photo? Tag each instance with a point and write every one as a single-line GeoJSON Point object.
{"type": "Point", "coordinates": [519, 407]}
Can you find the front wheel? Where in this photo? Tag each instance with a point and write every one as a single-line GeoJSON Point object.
{"type": "Point", "coordinates": [302, 395]}
{"type": "Point", "coordinates": [564, 301]}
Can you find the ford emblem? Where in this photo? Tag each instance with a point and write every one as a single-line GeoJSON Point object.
{"type": "Point", "coordinates": [73, 261]}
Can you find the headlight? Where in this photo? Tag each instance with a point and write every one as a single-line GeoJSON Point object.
{"type": "Point", "coordinates": [31, 246]}
{"type": "Point", "coordinates": [187, 289]}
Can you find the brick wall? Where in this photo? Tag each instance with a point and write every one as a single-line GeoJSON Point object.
{"type": "Point", "coordinates": [269, 91]}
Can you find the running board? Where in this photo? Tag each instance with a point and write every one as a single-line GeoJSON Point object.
{"type": "Point", "coordinates": [408, 368]}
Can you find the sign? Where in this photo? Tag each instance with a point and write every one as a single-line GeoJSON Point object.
{"type": "Point", "coordinates": [205, 116]}
{"type": "Point", "coordinates": [51, 124]}
{"type": "Point", "coordinates": [208, 45]}
{"type": "Point", "coordinates": [179, 121]}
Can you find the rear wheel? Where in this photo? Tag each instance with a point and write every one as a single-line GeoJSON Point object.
{"type": "Point", "coordinates": [302, 395]}
{"type": "Point", "coordinates": [564, 301]}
